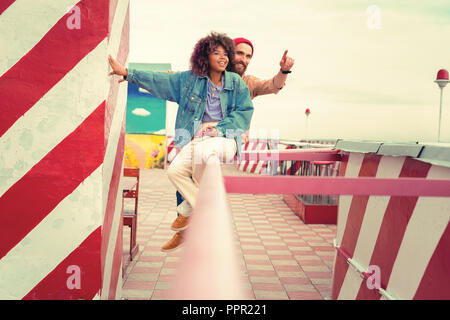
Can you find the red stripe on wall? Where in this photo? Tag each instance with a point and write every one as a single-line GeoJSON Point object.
{"type": "Point", "coordinates": [435, 283]}
{"type": "Point", "coordinates": [76, 277]}
{"type": "Point", "coordinates": [52, 179]}
{"type": "Point", "coordinates": [58, 52]}
{"type": "Point", "coordinates": [117, 261]}
{"type": "Point", "coordinates": [111, 102]}
{"type": "Point", "coordinates": [4, 4]}
{"type": "Point", "coordinates": [355, 218]}
{"type": "Point", "coordinates": [112, 13]}
{"type": "Point", "coordinates": [396, 217]}
{"type": "Point", "coordinates": [118, 250]}
{"type": "Point", "coordinates": [112, 194]}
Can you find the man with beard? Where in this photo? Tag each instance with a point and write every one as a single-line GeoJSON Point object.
{"type": "Point", "coordinates": [243, 54]}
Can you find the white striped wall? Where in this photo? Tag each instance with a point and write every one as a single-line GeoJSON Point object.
{"type": "Point", "coordinates": [389, 167]}
{"type": "Point", "coordinates": [52, 240]}
{"type": "Point", "coordinates": [426, 227]}
{"type": "Point", "coordinates": [58, 113]}
{"type": "Point", "coordinates": [20, 33]}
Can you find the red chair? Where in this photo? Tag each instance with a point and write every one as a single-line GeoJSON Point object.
{"type": "Point", "coordinates": [131, 190]}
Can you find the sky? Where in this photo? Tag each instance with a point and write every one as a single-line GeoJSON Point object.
{"type": "Point", "coordinates": [365, 69]}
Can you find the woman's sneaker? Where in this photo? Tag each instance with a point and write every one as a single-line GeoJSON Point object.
{"type": "Point", "coordinates": [174, 243]}
{"type": "Point", "coordinates": [180, 223]}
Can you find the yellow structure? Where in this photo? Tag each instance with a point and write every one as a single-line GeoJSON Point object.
{"type": "Point", "coordinates": [144, 151]}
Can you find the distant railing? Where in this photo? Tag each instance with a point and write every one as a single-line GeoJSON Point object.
{"type": "Point", "coordinates": [326, 185]}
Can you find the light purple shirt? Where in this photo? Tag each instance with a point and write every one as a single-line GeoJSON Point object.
{"type": "Point", "coordinates": [213, 108]}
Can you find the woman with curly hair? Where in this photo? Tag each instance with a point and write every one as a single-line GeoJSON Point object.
{"type": "Point", "coordinates": [215, 108]}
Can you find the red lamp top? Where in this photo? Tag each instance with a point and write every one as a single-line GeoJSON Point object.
{"type": "Point", "coordinates": [442, 75]}
{"type": "Point", "coordinates": [307, 111]}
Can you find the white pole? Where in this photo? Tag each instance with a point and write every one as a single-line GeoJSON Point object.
{"type": "Point", "coordinates": [306, 138]}
{"type": "Point", "coordinates": [440, 115]}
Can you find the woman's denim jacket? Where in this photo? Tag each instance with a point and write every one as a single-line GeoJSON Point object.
{"type": "Point", "coordinates": [190, 92]}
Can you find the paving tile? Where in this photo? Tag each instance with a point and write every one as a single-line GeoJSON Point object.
{"type": "Point", "coordinates": [254, 279]}
{"type": "Point", "coordinates": [262, 273]}
{"type": "Point", "coordinates": [284, 262]}
{"type": "Point", "coordinates": [267, 286]}
{"type": "Point", "coordinates": [298, 273]}
{"type": "Point", "coordinates": [303, 257]}
{"type": "Point", "coordinates": [303, 263]}
{"type": "Point", "coordinates": [276, 247]}
{"type": "Point", "coordinates": [149, 264]}
{"type": "Point", "coordinates": [270, 295]}
{"type": "Point", "coordinates": [296, 295]}
{"type": "Point", "coordinates": [314, 274]}
{"type": "Point", "coordinates": [256, 257]}
{"type": "Point", "coordinates": [318, 268]}
{"type": "Point", "coordinates": [162, 285]}
{"type": "Point", "coordinates": [140, 285]}
{"type": "Point", "coordinates": [142, 277]}
{"type": "Point", "coordinates": [279, 252]}
{"type": "Point", "coordinates": [260, 267]}
{"type": "Point", "coordinates": [166, 277]}
{"type": "Point", "coordinates": [323, 281]}
{"type": "Point", "coordinates": [136, 294]}
{"type": "Point", "coordinates": [281, 257]}
{"type": "Point", "coordinates": [145, 270]}
{"type": "Point", "coordinates": [160, 295]}
{"type": "Point", "coordinates": [258, 262]}
{"type": "Point", "coordinates": [291, 287]}
{"type": "Point", "coordinates": [253, 251]}
{"type": "Point", "coordinates": [151, 258]}
{"type": "Point", "coordinates": [168, 271]}
{"type": "Point", "coordinates": [295, 280]}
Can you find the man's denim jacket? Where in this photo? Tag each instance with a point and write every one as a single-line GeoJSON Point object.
{"type": "Point", "coordinates": [190, 92]}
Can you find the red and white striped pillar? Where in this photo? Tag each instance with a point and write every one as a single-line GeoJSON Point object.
{"type": "Point", "coordinates": [391, 247]}
{"type": "Point", "coordinates": [62, 126]}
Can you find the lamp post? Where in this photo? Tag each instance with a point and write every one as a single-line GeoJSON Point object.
{"type": "Point", "coordinates": [441, 80]}
{"type": "Point", "coordinates": [307, 112]}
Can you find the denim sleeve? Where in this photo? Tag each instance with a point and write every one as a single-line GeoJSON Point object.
{"type": "Point", "coordinates": [238, 121]}
{"type": "Point", "coordinates": [163, 85]}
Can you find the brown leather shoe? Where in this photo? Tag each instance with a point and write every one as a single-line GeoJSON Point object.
{"type": "Point", "coordinates": [180, 223]}
{"type": "Point", "coordinates": [174, 243]}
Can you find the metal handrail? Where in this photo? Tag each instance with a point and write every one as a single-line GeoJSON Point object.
{"type": "Point", "coordinates": [209, 267]}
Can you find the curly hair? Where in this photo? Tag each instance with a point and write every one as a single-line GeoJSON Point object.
{"type": "Point", "coordinates": [200, 57]}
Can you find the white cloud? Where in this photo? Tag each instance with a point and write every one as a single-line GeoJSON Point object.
{"type": "Point", "coordinates": [143, 90]}
{"type": "Point", "coordinates": [161, 132]}
{"type": "Point", "coordinates": [141, 112]}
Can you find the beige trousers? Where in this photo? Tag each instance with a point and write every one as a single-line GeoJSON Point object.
{"type": "Point", "coordinates": [190, 162]}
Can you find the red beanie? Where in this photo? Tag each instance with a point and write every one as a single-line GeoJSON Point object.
{"type": "Point", "coordinates": [243, 40]}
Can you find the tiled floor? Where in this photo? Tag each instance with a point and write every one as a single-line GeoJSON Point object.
{"type": "Point", "coordinates": [281, 257]}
